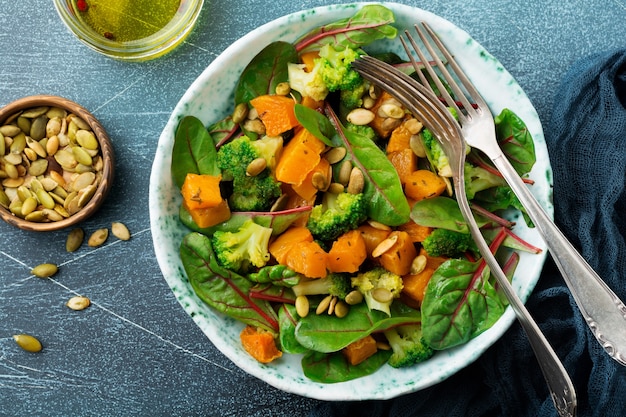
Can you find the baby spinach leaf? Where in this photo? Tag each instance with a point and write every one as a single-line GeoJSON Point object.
{"type": "Point", "coordinates": [324, 333]}
{"type": "Point", "coordinates": [442, 213]}
{"type": "Point", "coordinates": [334, 367]}
{"type": "Point", "coordinates": [460, 303]}
{"type": "Point", "coordinates": [193, 151]}
{"type": "Point", "coordinates": [368, 24]}
{"type": "Point", "coordinates": [222, 289]}
{"type": "Point", "coordinates": [287, 320]}
{"type": "Point", "coordinates": [515, 141]}
{"type": "Point", "coordinates": [278, 221]}
{"type": "Point", "coordinates": [316, 123]}
{"type": "Point", "coordinates": [223, 130]}
{"type": "Point", "coordinates": [266, 70]}
{"type": "Point", "coordinates": [383, 191]}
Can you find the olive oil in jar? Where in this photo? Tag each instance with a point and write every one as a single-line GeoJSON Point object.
{"type": "Point", "coordinates": [127, 20]}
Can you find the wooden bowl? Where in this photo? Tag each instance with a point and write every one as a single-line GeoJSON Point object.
{"type": "Point", "coordinates": [102, 186]}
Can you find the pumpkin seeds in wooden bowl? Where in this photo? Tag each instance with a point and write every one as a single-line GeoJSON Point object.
{"type": "Point", "coordinates": [56, 163]}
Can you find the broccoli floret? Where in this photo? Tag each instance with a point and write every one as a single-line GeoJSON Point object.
{"type": "Point", "coordinates": [353, 97]}
{"type": "Point", "coordinates": [241, 250]}
{"type": "Point", "coordinates": [363, 130]}
{"type": "Point", "coordinates": [375, 279]}
{"type": "Point", "coordinates": [449, 243]}
{"type": "Point", "coordinates": [478, 179]}
{"type": "Point", "coordinates": [435, 154]}
{"type": "Point", "coordinates": [408, 345]}
{"type": "Point", "coordinates": [336, 68]}
{"type": "Point", "coordinates": [306, 83]}
{"type": "Point", "coordinates": [250, 193]}
{"type": "Point", "coordinates": [337, 214]}
{"type": "Point", "coordinates": [335, 284]}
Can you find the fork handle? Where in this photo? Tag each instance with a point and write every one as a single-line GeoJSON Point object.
{"type": "Point", "coordinates": [604, 312]}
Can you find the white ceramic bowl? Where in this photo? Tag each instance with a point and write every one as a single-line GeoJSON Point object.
{"type": "Point", "coordinates": [210, 98]}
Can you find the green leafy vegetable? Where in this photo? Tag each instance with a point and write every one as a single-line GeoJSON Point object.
{"type": "Point", "coordinates": [515, 141]}
{"type": "Point", "coordinates": [316, 123]}
{"type": "Point", "coordinates": [459, 304]}
{"type": "Point", "coordinates": [224, 290]}
{"type": "Point", "coordinates": [383, 191]}
{"type": "Point", "coordinates": [440, 212]}
{"type": "Point", "coordinates": [193, 152]}
{"type": "Point", "coordinates": [266, 70]}
{"type": "Point", "coordinates": [334, 367]}
{"type": "Point", "coordinates": [368, 24]}
{"type": "Point", "coordinates": [324, 333]}
{"type": "Point", "coordinates": [288, 319]}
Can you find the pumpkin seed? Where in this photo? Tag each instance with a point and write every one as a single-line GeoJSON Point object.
{"type": "Point", "coordinates": [80, 123]}
{"type": "Point", "coordinates": [345, 170]}
{"type": "Point", "coordinates": [52, 145]}
{"type": "Point", "coordinates": [240, 113]}
{"type": "Point", "coordinates": [19, 143]}
{"type": "Point", "coordinates": [10, 130]}
{"type": "Point", "coordinates": [87, 139]}
{"type": "Point", "coordinates": [341, 309]}
{"type": "Point", "coordinates": [414, 126]}
{"type": "Point", "coordinates": [335, 188]}
{"type": "Point", "coordinates": [384, 246]}
{"type": "Point", "coordinates": [36, 146]}
{"type": "Point", "coordinates": [11, 171]}
{"type": "Point", "coordinates": [56, 112]}
{"type": "Point", "coordinates": [4, 199]}
{"type": "Point", "coordinates": [356, 182]}
{"type": "Point", "coordinates": [78, 303]}
{"type": "Point", "coordinates": [255, 167]}
{"type": "Point", "coordinates": [35, 112]}
{"type": "Point", "coordinates": [74, 239]}
{"type": "Point", "coordinates": [2, 145]}
{"type": "Point", "coordinates": [28, 343]}
{"type": "Point", "coordinates": [319, 181]}
{"type": "Point", "coordinates": [13, 158]}
{"type": "Point", "coordinates": [53, 127]}
{"type": "Point", "coordinates": [120, 231]}
{"type": "Point", "coordinates": [38, 127]}
{"type": "Point", "coordinates": [354, 297]}
{"type": "Point", "coordinates": [302, 305]}
{"type": "Point", "coordinates": [82, 181]}
{"type": "Point", "coordinates": [13, 182]}
{"type": "Point", "coordinates": [418, 264]}
{"type": "Point", "coordinates": [82, 156]}
{"type": "Point", "coordinates": [360, 116]}
{"type": "Point", "coordinates": [98, 237]}
{"type": "Point", "coordinates": [45, 199]}
{"type": "Point", "coordinates": [45, 270]}
{"type": "Point", "coordinates": [283, 89]}
{"type": "Point", "coordinates": [382, 295]}
{"type": "Point", "coordinates": [28, 206]}
{"type": "Point", "coordinates": [323, 305]}
{"type": "Point", "coordinates": [417, 146]}
{"type": "Point", "coordinates": [38, 167]}
{"type": "Point", "coordinates": [335, 155]}
{"type": "Point", "coordinates": [390, 110]}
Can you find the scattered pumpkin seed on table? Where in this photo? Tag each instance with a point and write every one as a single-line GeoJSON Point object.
{"type": "Point", "coordinates": [28, 343]}
{"type": "Point", "coordinates": [98, 237]}
{"type": "Point", "coordinates": [45, 270]}
{"type": "Point", "coordinates": [120, 231]}
{"type": "Point", "coordinates": [74, 239]}
{"type": "Point", "coordinates": [78, 303]}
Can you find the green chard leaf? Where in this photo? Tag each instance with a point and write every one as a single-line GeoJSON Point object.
{"type": "Point", "coordinates": [334, 367]}
{"type": "Point", "coordinates": [515, 141]}
{"type": "Point", "coordinates": [324, 333]}
{"type": "Point", "coordinates": [222, 289]}
{"type": "Point", "coordinates": [316, 123]}
{"type": "Point", "coordinates": [193, 152]}
{"type": "Point", "coordinates": [383, 191]}
{"type": "Point", "coordinates": [459, 304]}
{"type": "Point", "coordinates": [441, 213]}
{"type": "Point", "coordinates": [266, 70]}
{"type": "Point", "coordinates": [368, 24]}
{"type": "Point", "coordinates": [287, 320]}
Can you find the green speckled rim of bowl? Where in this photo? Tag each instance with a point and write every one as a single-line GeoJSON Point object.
{"type": "Point", "coordinates": [106, 150]}
{"type": "Point", "coordinates": [144, 49]}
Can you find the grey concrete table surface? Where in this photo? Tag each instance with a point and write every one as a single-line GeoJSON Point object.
{"type": "Point", "coordinates": [135, 352]}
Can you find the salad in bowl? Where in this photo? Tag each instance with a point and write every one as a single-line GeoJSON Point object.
{"type": "Point", "coordinates": [316, 232]}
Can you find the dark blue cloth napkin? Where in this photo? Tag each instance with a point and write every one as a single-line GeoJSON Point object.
{"type": "Point", "coordinates": [586, 140]}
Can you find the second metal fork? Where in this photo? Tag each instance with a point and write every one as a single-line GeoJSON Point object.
{"type": "Point", "coordinates": [423, 104]}
{"type": "Point", "coordinates": [604, 312]}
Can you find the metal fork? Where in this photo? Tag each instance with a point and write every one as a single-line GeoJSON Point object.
{"type": "Point", "coordinates": [424, 105]}
{"type": "Point", "coordinates": [604, 312]}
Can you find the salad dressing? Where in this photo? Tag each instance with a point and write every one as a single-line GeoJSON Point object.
{"type": "Point", "coordinates": [127, 20]}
